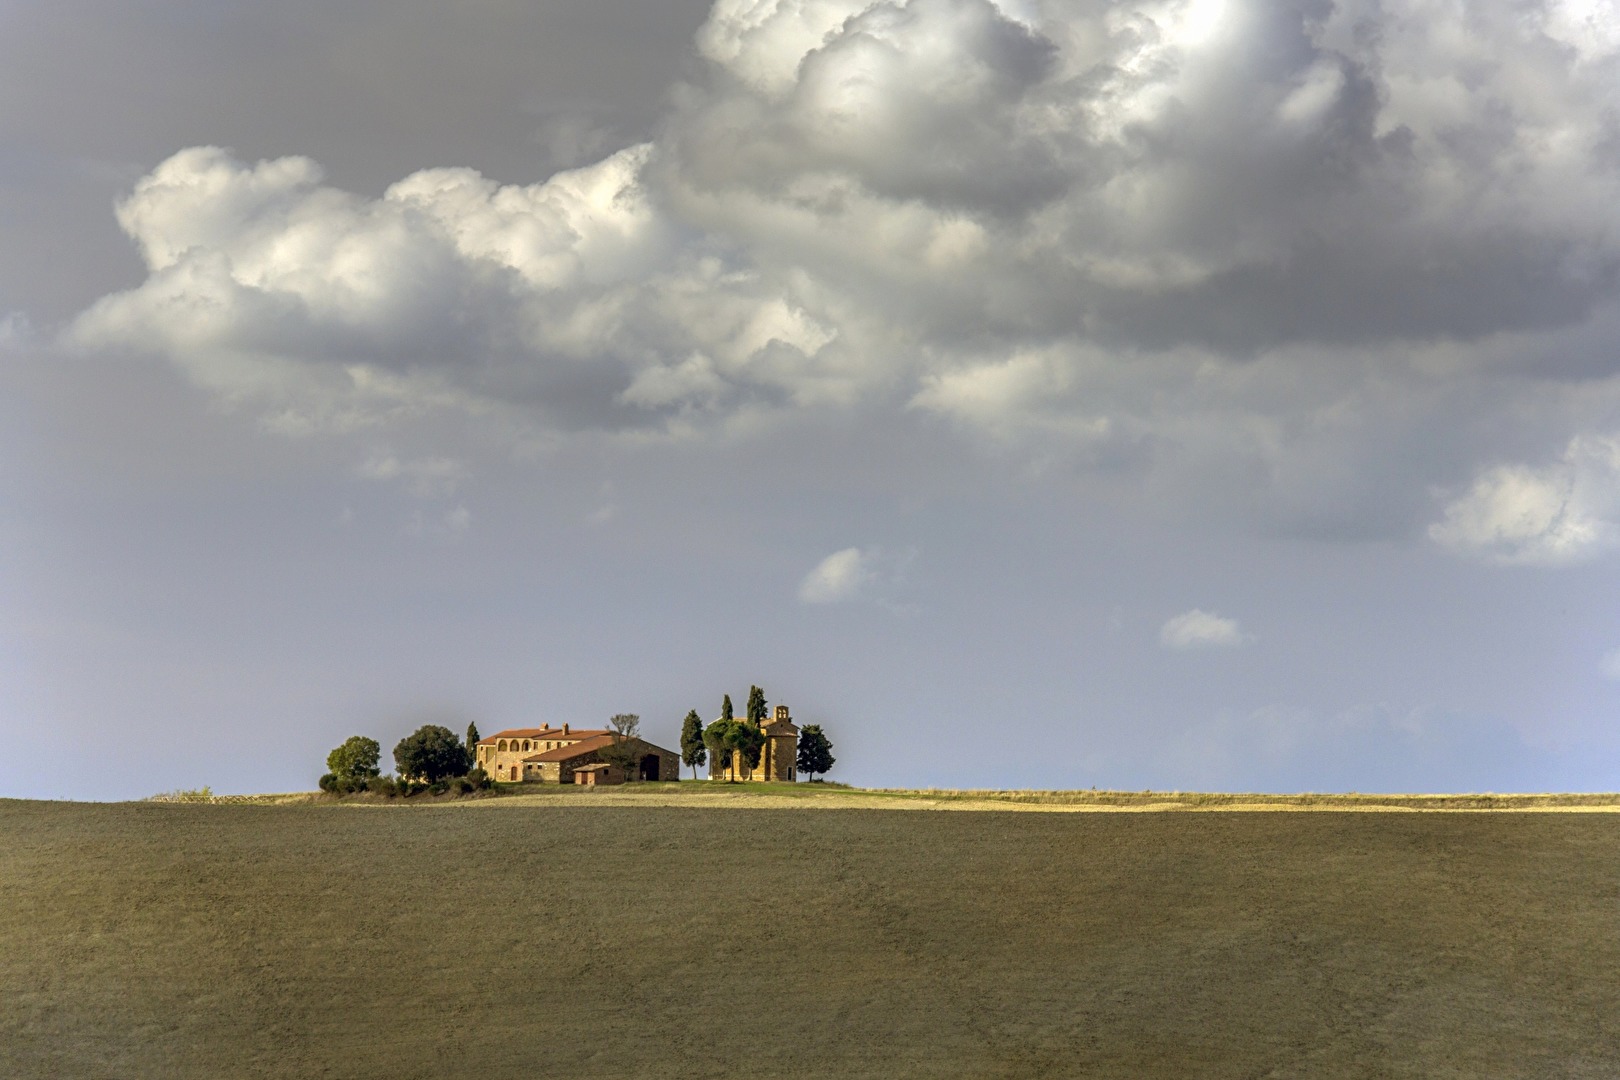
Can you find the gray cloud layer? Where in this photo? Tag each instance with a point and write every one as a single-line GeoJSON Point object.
{"type": "Point", "coordinates": [1349, 266]}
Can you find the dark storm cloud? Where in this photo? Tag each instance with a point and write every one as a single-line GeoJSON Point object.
{"type": "Point", "coordinates": [1130, 231]}
{"type": "Point", "coordinates": [1356, 292]}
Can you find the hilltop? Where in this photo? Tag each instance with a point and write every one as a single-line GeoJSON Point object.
{"type": "Point", "coordinates": [829, 796]}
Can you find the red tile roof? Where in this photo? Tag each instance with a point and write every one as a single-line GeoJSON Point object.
{"type": "Point", "coordinates": [596, 742]}
{"type": "Point", "coordinates": [544, 733]}
{"type": "Point", "coordinates": [563, 753]}
{"type": "Point", "coordinates": [516, 733]}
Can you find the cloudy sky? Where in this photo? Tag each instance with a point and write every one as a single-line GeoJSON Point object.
{"type": "Point", "coordinates": [1060, 393]}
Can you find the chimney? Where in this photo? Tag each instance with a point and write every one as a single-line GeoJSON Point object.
{"type": "Point", "coordinates": [565, 729]}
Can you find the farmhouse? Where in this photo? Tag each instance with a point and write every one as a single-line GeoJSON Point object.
{"type": "Point", "coordinates": [551, 755]}
{"type": "Point", "coordinates": [778, 760]}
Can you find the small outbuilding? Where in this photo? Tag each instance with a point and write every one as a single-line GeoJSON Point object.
{"type": "Point", "coordinates": [599, 775]}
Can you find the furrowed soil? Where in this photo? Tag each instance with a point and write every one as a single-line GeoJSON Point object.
{"type": "Point", "coordinates": [617, 939]}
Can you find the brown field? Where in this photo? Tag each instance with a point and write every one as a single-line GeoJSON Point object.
{"type": "Point", "coordinates": [675, 934]}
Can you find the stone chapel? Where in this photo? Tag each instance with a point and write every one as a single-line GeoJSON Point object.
{"type": "Point", "coordinates": [779, 760]}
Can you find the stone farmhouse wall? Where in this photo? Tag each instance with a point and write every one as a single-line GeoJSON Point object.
{"type": "Point", "coordinates": [562, 772]}
{"type": "Point", "coordinates": [503, 758]}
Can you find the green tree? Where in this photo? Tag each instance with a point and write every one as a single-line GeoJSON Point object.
{"type": "Point", "coordinates": [725, 710]}
{"type": "Point", "coordinates": [472, 742]}
{"type": "Point", "coordinates": [756, 706]}
{"type": "Point", "coordinates": [431, 753]}
{"type": "Point", "coordinates": [717, 739]}
{"type": "Point", "coordinates": [693, 752]}
{"type": "Point", "coordinates": [355, 760]}
{"type": "Point", "coordinates": [625, 749]}
{"type": "Point", "coordinates": [815, 751]}
{"type": "Point", "coordinates": [749, 742]}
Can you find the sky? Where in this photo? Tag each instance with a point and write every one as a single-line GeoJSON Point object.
{"type": "Point", "coordinates": [1169, 394]}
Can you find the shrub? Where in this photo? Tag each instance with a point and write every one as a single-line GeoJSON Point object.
{"type": "Point", "coordinates": [479, 779]}
{"type": "Point", "coordinates": [381, 785]}
{"type": "Point", "coordinates": [202, 794]}
{"type": "Point", "coordinates": [439, 787]}
{"type": "Point", "coordinates": [328, 783]}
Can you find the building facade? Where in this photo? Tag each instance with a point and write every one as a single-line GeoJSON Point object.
{"type": "Point", "coordinates": [778, 759]}
{"type": "Point", "coordinates": [548, 755]}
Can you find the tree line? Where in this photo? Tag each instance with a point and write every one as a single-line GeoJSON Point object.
{"type": "Point", "coordinates": [431, 758]}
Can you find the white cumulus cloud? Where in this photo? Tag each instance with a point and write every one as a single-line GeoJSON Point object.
{"type": "Point", "coordinates": [1556, 514]}
{"type": "Point", "coordinates": [840, 577]}
{"type": "Point", "coordinates": [1272, 242]}
{"type": "Point", "coordinates": [1198, 629]}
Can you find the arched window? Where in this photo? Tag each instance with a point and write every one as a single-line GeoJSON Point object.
{"type": "Point", "coordinates": [501, 746]}
{"type": "Point", "coordinates": [525, 745]}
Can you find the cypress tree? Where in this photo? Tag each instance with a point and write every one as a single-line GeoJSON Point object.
{"type": "Point", "coordinates": [748, 741]}
{"type": "Point", "coordinates": [693, 752]}
{"type": "Point", "coordinates": [472, 742]}
{"type": "Point", "coordinates": [725, 709]}
{"type": "Point", "coordinates": [717, 737]}
{"type": "Point", "coordinates": [756, 706]}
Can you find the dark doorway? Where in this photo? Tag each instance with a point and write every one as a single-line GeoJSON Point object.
{"type": "Point", "coordinates": [649, 767]}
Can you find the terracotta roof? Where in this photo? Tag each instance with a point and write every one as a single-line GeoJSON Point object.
{"type": "Point", "coordinates": [517, 733]}
{"type": "Point", "coordinates": [544, 733]}
{"type": "Point", "coordinates": [563, 753]}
